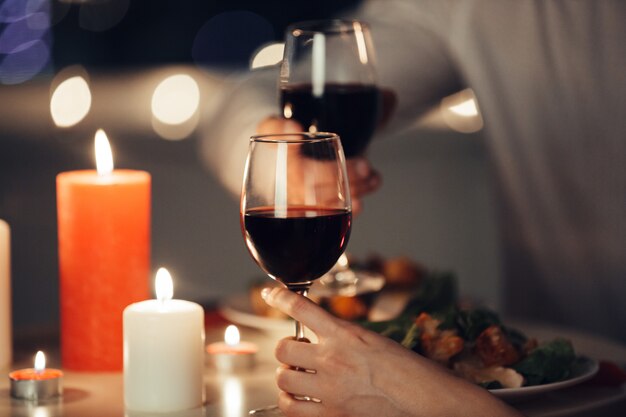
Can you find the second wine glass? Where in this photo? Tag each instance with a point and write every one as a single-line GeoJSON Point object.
{"type": "Point", "coordinates": [328, 81]}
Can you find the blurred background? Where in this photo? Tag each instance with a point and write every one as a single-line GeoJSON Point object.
{"type": "Point", "coordinates": [151, 73]}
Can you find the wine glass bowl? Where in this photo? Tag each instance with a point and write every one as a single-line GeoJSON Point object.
{"type": "Point", "coordinates": [295, 206]}
{"type": "Point", "coordinates": [328, 80]}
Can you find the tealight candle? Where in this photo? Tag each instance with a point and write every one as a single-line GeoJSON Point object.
{"type": "Point", "coordinates": [232, 355]}
{"type": "Point", "coordinates": [163, 352]}
{"type": "Point", "coordinates": [38, 383]}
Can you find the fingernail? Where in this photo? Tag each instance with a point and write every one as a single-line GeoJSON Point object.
{"type": "Point", "coordinates": [265, 292]}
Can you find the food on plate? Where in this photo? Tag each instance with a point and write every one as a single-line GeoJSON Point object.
{"type": "Point", "coordinates": [399, 271]}
{"type": "Point", "coordinates": [347, 308]}
{"type": "Point", "coordinates": [474, 343]}
{"type": "Point", "coordinates": [402, 272]}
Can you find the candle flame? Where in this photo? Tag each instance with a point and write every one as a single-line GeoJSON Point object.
{"type": "Point", "coordinates": [104, 156]}
{"type": "Point", "coordinates": [164, 287]}
{"type": "Point", "coordinates": [40, 362]}
{"type": "Point", "coordinates": [231, 335]}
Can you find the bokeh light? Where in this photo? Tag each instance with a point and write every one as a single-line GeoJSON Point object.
{"type": "Point", "coordinates": [268, 55]}
{"type": "Point", "coordinates": [466, 108]}
{"type": "Point", "coordinates": [17, 35]}
{"type": "Point", "coordinates": [24, 63]}
{"type": "Point", "coordinates": [24, 39]}
{"type": "Point", "coordinates": [70, 102]}
{"type": "Point", "coordinates": [460, 112]}
{"type": "Point", "coordinates": [176, 99]}
{"type": "Point", "coordinates": [229, 39]}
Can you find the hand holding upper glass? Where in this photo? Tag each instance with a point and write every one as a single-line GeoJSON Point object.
{"type": "Point", "coordinates": [364, 179]}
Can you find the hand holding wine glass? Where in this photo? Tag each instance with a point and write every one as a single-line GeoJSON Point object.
{"type": "Point", "coordinates": [360, 373]}
{"type": "Point", "coordinates": [296, 233]}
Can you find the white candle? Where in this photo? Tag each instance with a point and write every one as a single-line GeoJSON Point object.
{"type": "Point", "coordinates": [5, 295]}
{"type": "Point", "coordinates": [163, 352]}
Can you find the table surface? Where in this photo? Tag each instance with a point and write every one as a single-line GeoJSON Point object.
{"type": "Point", "coordinates": [101, 394]}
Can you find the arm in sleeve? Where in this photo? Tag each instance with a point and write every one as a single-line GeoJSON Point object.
{"type": "Point", "coordinates": [224, 137]}
{"type": "Point", "coordinates": [412, 56]}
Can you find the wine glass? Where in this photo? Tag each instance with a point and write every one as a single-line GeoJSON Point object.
{"type": "Point", "coordinates": [296, 211]}
{"type": "Point", "coordinates": [328, 83]}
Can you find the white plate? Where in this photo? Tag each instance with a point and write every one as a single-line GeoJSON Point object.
{"type": "Point", "coordinates": [587, 369]}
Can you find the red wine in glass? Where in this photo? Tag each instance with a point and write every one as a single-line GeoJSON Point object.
{"type": "Point", "coordinates": [295, 209]}
{"type": "Point", "coordinates": [299, 245]}
{"type": "Point", "coordinates": [350, 110]}
{"type": "Point", "coordinates": [328, 81]}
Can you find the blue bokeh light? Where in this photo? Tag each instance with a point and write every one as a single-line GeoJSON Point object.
{"type": "Point", "coordinates": [24, 64]}
{"type": "Point", "coordinates": [25, 39]}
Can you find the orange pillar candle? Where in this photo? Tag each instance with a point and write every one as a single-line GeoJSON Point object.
{"type": "Point", "coordinates": [104, 258]}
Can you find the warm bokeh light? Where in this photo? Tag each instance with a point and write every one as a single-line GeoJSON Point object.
{"type": "Point", "coordinates": [231, 335]}
{"type": "Point", "coordinates": [104, 156]}
{"type": "Point", "coordinates": [164, 287]}
{"type": "Point", "coordinates": [176, 99]}
{"type": "Point", "coordinates": [70, 102]}
{"type": "Point", "coordinates": [268, 56]}
{"type": "Point", "coordinates": [461, 112]}
{"type": "Point", "coordinates": [40, 361]}
{"type": "Point", "coordinates": [467, 108]}
{"type": "Point", "coordinates": [40, 411]}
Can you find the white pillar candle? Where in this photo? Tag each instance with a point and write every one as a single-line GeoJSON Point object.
{"type": "Point", "coordinates": [163, 352]}
{"type": "Point", "coordinates": [5, 295]}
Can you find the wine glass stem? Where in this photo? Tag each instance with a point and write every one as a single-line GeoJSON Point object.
{"type": "Point", "coordinates": [299, 326]}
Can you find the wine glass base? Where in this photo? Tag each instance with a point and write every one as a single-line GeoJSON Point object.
{"type": "Point", "coordinates": [269, 411]}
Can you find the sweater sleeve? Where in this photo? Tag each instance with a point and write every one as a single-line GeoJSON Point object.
{"type": "Point", "coordinates": [224, 137]}
{"type": "Point", "coordinates": [412, 55]}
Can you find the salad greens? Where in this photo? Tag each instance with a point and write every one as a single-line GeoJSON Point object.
{"type": "Point", "coordinates": [547, 363]}
{"type": "Point", "coordinates": [432, 322]}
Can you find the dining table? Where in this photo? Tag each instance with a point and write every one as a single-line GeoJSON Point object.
{"type": "Point", "coordinates": [234, 394]}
